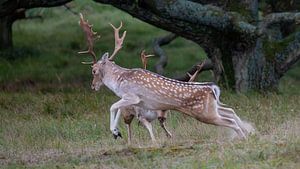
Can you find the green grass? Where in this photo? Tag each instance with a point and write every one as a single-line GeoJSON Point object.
{"type": "Point", "coordinates": [71, 130]}
{"type": "Point", "coordinates": [49, 118]}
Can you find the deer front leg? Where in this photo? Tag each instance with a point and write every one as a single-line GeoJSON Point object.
{"type": "Point", "coordinates": [127, 100]}
{"type": "Point", "coordinates": [114, 120]}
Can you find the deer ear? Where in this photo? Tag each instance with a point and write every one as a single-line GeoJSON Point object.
{"type": "Point", "coordinates": [105, 56]}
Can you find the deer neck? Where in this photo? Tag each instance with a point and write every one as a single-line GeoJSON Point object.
{"type": "Point", "coordinates": [111, 76]}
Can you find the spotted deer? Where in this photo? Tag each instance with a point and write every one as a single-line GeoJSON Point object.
{"type": "Point", "coordinates": [143, 115]}
{"type": "Point", "coordinates": [146, 116]}
{"type": "Point", "coordinates": [148, 90]}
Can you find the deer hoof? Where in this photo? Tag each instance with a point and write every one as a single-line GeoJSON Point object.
{"type": "Point", "coordinates": [116, 134]}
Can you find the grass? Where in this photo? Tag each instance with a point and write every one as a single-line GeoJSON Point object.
{"type": "Point", "coordinates": [71, 130]}
{"type": "Point", "coordinates": [49, 118]}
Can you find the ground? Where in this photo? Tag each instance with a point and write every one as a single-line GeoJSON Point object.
{"type": "Point", "coordinates": [50, 118]}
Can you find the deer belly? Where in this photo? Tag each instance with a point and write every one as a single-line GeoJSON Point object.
{"type": "Point", "coordinates": [150, 115]}
{"type": "Point", "coordinates": [147, 114]}
{"type": "Point", "coordinates": [154, 105]}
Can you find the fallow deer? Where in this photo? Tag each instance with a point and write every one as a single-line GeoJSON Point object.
{"type": "Point", "coordinates": [143, 115]}
{"type": "Point", "coordinates": [148, 90]}
{"type": "Point", "coordinates": [147, 116]}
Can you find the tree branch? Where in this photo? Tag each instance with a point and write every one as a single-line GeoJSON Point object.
{"type": "Point", "coordinates": [8, 7]}
{"type": "Point", "coordinates": [215, 55]}
{"type": "Point", "coordinates": [214, 63]}
{"type": "Point", "coordinates": [186, 18]}
{"type": "Point", "coordinates": [208, 15]}
{"type": "Point", "coordinates": [207, 65]}
{"type": "Point", "coordinates": [71, 10]}
{"type": "Point", "coordinates": [163, 58]}
{"type": "Point", "coordinates": [38, 3]}
{"type": "Point", "coordinates": [275, 18]}
{"type": "Point", "coordinates": [290, 61]}
{"type": "Point", "coordinates": [289, 56]}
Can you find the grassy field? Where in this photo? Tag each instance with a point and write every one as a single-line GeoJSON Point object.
{"type": "Point", "coordinates": [50, 118]}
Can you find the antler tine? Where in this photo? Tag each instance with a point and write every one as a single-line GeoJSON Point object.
{"type": "Point", "coordinates": [90, 36]}
{"type": "Point", "coordinates": [118, 40]}
{"type": "Point", "coordinates": [144, 58]}
{"type": "Point", "coordinates": [193, 77]}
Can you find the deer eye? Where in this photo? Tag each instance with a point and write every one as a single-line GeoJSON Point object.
{"type": "Point", "coordinates": [94, 72]}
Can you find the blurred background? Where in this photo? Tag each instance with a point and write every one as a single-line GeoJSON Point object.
{"type": "Point", "coordinates": [45, 56]}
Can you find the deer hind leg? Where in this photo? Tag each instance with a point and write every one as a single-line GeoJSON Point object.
{"type": "Point", "coordinates": [228, 112]}
{"type": "Point", "coordinates": [229, 122]}
{"type": "Point", "coordinates": [162, 116]}
{"type": "Point", "coordinates": [213, 116]}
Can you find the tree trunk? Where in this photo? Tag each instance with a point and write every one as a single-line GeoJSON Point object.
{"type": "Point", "coordinates": [261, 64]}
{"type": "Point", "coordinates": [250, 68]}
{"type": "Point", "coordinates": [6, 32]}
{"type": "Point", "coordinates": [12, 10]}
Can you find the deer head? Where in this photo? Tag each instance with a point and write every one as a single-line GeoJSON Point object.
{"type": "Point", "coordinates": [97, 72]}
{"type": "Point", "coordinates": [98, 66]}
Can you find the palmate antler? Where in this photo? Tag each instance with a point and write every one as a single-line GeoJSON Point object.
{"type": "Point", "coordinates": [144, 58]}
{"type": "Point", "coordinates": [118, 40]}
{"type": "Point", "coordinates": [90, 36]}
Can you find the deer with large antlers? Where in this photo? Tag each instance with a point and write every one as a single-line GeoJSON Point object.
{"type": "Point", "coordinates": [148, 90]}
{"type": "Point", "coordinates": [143, 115]}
